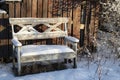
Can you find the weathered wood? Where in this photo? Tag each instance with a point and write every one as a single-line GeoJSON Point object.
{"type": "Point", "coordinates": [11, 10]}
{"type": "Point", "coordinates": [76, 22]}
{"type": "Point", "coordinates": [23, 8]}
{"type": "Point", "coordinates": [48, 57]}
{"type": "Point", "coordinates": [28, 32]}
{"type": "Point", "coordinates": [50, 4]}
{"type": "Point", "coordinates": [12, 0]}
{"type": "Point", "coordinates": [35, 21]}
{"type": "Point", "coordinates": [46, 8]}
{"type": "Point", "coordinates": [40, 8]}
{"type": "Point", "coordinates": [29, 8]}
{"type": "Point", "coordinates": [33, 53]}
{"type": "Point", "coordinates": [17, 10]}
{"type": "Point", "coordinates": [34, 9]}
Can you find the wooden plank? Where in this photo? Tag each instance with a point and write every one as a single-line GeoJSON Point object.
{"type": "Point", "coordinates": [60, 8]}
{"type": "Point", "coordinates": [55, 8]}
{"type": "Point", "coordinates": [50, 3]}
{"type": "Point", "coordinates": [69, 13]}
{"type": "Point", "coordinates": [34, 8]}
{"type": "Point", "coordinates": [35, 21]}
{"type": "Point", "coordinates": [71, 23]}
{"type": "Point", "coordinates": [25, 33]}
{"type": "Point", "coordinates": [29, 8]}
{"type": "Point", "coordinates": [97, 9]}
{"type": "Point", "coordinates": [64, 9]}
{"type": "Point", "coordinates": [46, 35]}
{"type": "Point", "coordinates": [45, 57]}
{"type": "Point", "coordinates": [76, 22]}
{"type": "Point", "coordinates": [40, 8]}
{"type": "Point", "coordinates": [45, 8]}
{"type": "Point", "coordinates": [92, 21]}
{"type": "Point", "coordinates": [23, 8]}
{"type": "Point", "coordinates": [17, 9]}
{"type": "Point", "coordinates": [12, 0]}
{"type": "Point", "coordinates": [11, 9]}
{"type": "Point", "coordinates": [49, 13]}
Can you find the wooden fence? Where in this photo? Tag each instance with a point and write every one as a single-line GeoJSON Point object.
{"type": "Point", "coordinates": [46, 8]}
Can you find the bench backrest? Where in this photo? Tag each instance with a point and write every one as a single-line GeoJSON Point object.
{"type": "Point", "coordinates": [28, 31]}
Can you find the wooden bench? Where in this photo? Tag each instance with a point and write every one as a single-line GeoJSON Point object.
{"type": "Point", "coordinates": [33, 52]}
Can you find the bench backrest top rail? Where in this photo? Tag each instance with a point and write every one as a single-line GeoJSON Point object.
{"type": "Point", "coordinates": [16, 21]}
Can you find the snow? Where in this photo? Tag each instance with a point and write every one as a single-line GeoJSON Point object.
{"type": "Point", "coordinates": [16, 42]}
{"type": "Point", "coordinates": [73, 39]}
{"type": "Point", "coordinates": [2, 11]}
{"type": "Point", "coordinates": [44, 49]}
{"type": "Point", "coordinates": [110, 70]}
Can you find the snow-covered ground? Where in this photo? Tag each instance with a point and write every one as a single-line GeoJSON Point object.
{"type": "Point", "coordinates": [108, 70]}
{"type": "Point", "coordinates": [104, 66]}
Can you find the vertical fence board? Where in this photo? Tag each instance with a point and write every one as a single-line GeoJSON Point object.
{"type": "Point", "coordinates": [23, 8]}
{"type": "Point", "coordinates": [40, 8]}
{"type": "Point", "coordinates": [45, 8]}
{"type": "Point", "coordinates": [11, 9]}
{"type": "Point", "coordinates": [34, 8]}
{"type": "Point", "coordinates": [92, 21]}
{"type": "Point", "coordinates": [17, 10]}
{"type": "Point", "coordinates": [96, 19]}
{"type": "Point", "coordinates": [29, 8]}
{"type": "Point", "coordinates": [50, 8]}
{"type": "Point", "coordinates": [76, 22]}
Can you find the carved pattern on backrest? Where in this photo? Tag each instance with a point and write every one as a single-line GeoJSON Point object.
{"type": "Point", "coordinates": [28, 31]}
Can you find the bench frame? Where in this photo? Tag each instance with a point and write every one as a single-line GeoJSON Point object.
{"type": "Point", "coordinates": [27, 32]}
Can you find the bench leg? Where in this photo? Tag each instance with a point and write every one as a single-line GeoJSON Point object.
{"type": "Point", "coordinates": [13, 63]}
{"type": "Point", "coordinates": [74, 63]}
{"type": "Point", "coordinates": [19, 66]}
{"type": "Point", "coordinates": [19, 62]}
{"type": "Point", "coordinates": [13, 59]}
{"type": "Point", "coordinates": [19, 69]}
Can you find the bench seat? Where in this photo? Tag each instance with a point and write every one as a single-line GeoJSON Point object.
{"type": "Point", "coordinates": [31, 53]}
{"type": "Point", "coordinates": [33, 50]}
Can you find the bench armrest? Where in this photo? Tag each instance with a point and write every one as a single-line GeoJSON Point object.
{"type": "Point", "coordinates": [16, 42]}
{"type": "Point", "coordinates": [72, 39]}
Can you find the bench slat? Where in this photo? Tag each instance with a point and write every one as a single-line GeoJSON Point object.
{"type": "Point", "coordinates": [16, 21]}
{"type": "Point", "coordinates": [40, 35]}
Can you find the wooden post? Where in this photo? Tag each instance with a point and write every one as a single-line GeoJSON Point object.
{"type": "Point", "coordinates": [81, 41]}
{"type": "Point", "coordinates": [88, 24]}
{"type": "Point", "coordinates": [82, 29]}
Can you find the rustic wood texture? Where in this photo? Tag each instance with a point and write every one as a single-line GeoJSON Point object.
{"type": "Point", "coordinates": [40, 9]}
{"type": "Point", "coordinates": [27, 32]}
{"type": "Point", "coordinates": [41, 52]}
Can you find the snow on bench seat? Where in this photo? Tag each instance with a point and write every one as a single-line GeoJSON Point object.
{"type": "Point", "coordinates": [33, 50]}
{"type": "Point", "coordinates": [33, 53]}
